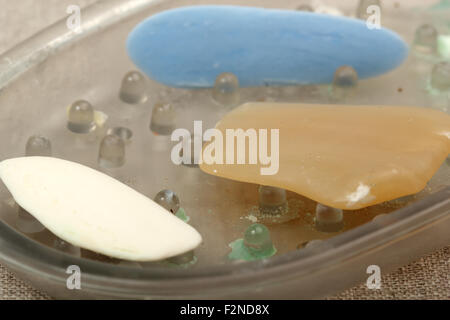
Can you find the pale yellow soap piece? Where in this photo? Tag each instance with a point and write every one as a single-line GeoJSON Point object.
{"type": "Point", "coordinates": [347, 157]}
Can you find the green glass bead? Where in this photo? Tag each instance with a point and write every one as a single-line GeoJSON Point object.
{"type": "Point", "coordinates": [257, 239]}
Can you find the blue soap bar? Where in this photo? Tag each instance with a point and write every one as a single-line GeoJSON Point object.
{"type": "Point", "coordinates": [190, 46]}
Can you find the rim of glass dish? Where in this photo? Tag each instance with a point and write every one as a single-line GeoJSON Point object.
{"type": "Point", "coordinates": [23, 253]}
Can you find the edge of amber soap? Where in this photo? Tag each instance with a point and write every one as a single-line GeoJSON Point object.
{"type": "Point", "coordinates": [346, 157]}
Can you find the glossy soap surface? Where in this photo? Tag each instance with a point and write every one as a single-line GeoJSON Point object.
{"type": "Point", "coordinates": [190, 46]}
{"type": "Point", "coordinates": [346, 157]}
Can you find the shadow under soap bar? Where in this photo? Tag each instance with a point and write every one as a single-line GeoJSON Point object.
{"type": "Point", "coordinates": [346, 157]}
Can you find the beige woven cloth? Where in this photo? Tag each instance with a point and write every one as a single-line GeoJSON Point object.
{"type": "Point", "coordinates": [427, 278]}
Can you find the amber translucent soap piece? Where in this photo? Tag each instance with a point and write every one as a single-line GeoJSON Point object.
{"type": "Point", "coordinates": [346, 157]}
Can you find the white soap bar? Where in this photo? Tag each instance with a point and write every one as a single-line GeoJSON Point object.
{"type": "Point", "coordinates": [94, 211]}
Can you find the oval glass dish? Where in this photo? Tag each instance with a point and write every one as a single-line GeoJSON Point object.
{"type": "Point", "coordinates": [40, 78]}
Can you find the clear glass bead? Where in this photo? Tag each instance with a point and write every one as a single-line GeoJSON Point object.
{"type": "Point", "coordinates": [425, 40]}
{"type": "Point", "coordinates": [328, 219]}
{"type": "Point", "coordinates": [168, 200]}
{"type": "Point", "coordinates": [226, 89]}
{"type": "Point", "coordinates": [112, 152]}
{"type": "Point", "coordinates": [134, 88]}
{"type": "Point", "coordinates": [440, 76]}
{"type": "Point", "coordinates": [124, 133]}
{"type": "Point", "coordinates": [272, 200]}
{"type": "Point", "coordinates": [81, 118]}
{"type": "Point", "coordinates": [38, 146]}
{"type": "Point", "coordinates": [163, 119]}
